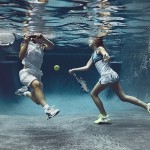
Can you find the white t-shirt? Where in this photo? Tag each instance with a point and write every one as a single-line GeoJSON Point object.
{"type": "Point", "coordinates": [34, 56]}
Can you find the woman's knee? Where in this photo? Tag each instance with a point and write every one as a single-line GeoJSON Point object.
{"type": "Point", "coordinates": [36, 84]}
{"type": "Point", "coordinates": [123, 98]}
{"type": "Point", "coordinates": [93, 94]}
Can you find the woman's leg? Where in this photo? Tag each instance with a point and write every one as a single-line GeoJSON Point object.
{"type": "Point", "coordinates": [126, 98]}
{"type": "Point", "coordinates": [37, 87]}
{"type": "Point", "coordinates": [94, 94]}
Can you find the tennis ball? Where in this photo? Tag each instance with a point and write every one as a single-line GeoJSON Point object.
{"type": "Point", "coordinates": [56, 67]}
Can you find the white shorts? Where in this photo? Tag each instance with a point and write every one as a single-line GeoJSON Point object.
{"type": "Point", "coordinates": [109, 77]}
{"type": "Point", "coordinates": [28, 75]}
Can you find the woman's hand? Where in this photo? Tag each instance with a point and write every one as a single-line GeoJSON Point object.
{"type": "Point", "coordinates": [106, 57]}
{"type": "Point", "coordinates": [71, 71]}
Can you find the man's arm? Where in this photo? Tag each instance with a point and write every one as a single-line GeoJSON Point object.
{"type": "Point", "coordinates": [47, 44]}
{"type": "Point", "coordinates": [24, 47]}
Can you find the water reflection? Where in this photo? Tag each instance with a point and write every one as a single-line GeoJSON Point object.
{"type": "Point", "coordinates": [35, 22]}
{"type": "Point", "coordinates": [73, 21]}
{"type": "Point", "coordinates": [104, 17]}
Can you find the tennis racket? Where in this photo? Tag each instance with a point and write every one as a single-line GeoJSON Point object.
{"type": "Point", "coordinates": [82, 83]}
{"type": "Point", "coordinates": [7, 38]}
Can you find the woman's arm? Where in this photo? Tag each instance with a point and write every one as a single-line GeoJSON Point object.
{"type": "Point", "coordinates": [101, 50]}
{"type": "Point", "coordinates": [84, 68]}
{"type": "Point", "coordinates": [24, 47]}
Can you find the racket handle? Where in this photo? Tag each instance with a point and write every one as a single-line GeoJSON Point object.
{"type": "Point", "coordinates": [74, 75]}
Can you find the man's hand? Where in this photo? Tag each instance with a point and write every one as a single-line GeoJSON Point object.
{"type": "Point", "coordinates": [38, 36]}
{"type": "Point", "coordinates": [26, 38]}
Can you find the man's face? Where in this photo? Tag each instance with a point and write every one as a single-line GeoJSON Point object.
{"type": "Point", "coordinates": [37, 40]}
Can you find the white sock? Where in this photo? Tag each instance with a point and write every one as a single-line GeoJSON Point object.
{"type": "Point", "coordinates": [26, 93]}
{"type": "Point", "coordinates": [46, 107]}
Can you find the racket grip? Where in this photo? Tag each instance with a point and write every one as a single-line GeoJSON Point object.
{"type": "Point", "coordinates": [74, 75]}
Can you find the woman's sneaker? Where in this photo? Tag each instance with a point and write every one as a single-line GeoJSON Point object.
{"type": "Point", "coordinates": [21, 91]}
{"type": "Point", "coordinates": [103, 119]}
{"type": "Point", "coordinates": [148, 107]}
{"type": "Point", "coordinates": [51, 112]}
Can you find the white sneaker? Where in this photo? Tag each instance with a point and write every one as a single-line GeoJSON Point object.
{"type": "Point", "coordinates": [21, 91]}
{"type": "Point", "coordinates": [148, 107]}
{"type": "Point", "coordinates": [51, 112]}
{"type": "Point", "coordinates": [103, 119]}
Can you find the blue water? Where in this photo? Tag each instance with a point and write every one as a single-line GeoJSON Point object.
{"type": "Point", "coordinates": [70, 24]}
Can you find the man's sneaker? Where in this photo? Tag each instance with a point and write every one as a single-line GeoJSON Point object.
{"type": "Point", "coordinates": [21, 91]}
{"type": "Point", "coordinates": [103, 119]}
{"type": "Point", "coordinates": [51, 112]}
{"type": "Point", "coordinates": [148, 107]}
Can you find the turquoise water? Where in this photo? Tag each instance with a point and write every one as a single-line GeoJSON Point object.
{"type": "Point", "coordinates": [69, 24]}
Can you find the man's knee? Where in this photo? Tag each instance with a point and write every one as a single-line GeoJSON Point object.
{"type": "Point", "coordinates": [36, 84]}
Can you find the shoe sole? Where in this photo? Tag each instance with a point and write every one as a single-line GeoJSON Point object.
{"type": "Point", "coordinates": [49, 117]}
{"type": "Point", "coordinates": [109, 122]}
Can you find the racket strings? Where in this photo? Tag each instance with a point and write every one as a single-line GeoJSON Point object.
{"type": "Point", "coordinates": [7, 38]}
{"type": "Point", "coordinates": [82, 83]}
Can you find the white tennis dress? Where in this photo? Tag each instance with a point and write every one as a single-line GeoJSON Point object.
{"type": "Point", "coordinates": [32, 62]}
{"type": "Point", "coordinates": [107, 74]}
